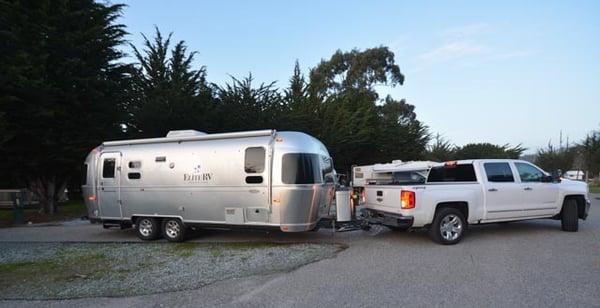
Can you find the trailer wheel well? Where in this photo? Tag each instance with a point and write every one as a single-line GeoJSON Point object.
{"type": "Point", "coordinates": [580, 199]}
{"type": "Point", "coordinates": [462, 206]}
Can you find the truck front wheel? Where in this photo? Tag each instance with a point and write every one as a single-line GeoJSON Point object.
{"type": "Point", "coordinates": [569, 219]}
{"type": "Point", "coordinates": [448, 226]}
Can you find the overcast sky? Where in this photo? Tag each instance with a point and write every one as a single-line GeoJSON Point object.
{"type": "Point", "coordinates": [509, 72]}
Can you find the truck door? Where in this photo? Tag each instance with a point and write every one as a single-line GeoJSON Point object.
{"type": "Point", "coordinates": [537, 197]}
{"type": "Point", "coordinates": [109, 188]}
{"type": "Point", "coordinates": [501, 191]}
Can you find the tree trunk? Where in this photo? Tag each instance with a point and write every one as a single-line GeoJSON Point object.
{"type": "Point", "coordinates": [47, 191]}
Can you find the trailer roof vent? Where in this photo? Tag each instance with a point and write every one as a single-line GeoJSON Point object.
{"type": "Point", "coordinates": [184, 133]}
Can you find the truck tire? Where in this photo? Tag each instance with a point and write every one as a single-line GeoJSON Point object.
{"type": "Point", "coordinates": [569, 217]}
{"type": "Point", "coordinates": [173, 230]}
{"type": "Point", "coordinates": [448, 226]}
{"type": "Point", "coordinates": [147, 228]}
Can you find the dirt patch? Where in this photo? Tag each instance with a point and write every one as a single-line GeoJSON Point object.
{"type": "Point", "coordinates": [75, 270]}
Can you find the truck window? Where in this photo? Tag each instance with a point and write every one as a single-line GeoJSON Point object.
{"type": "Point", "coordinates": [529, 173]}
{"type": "Point", "coordinates": [300, 168]}
{"type": "Point", "coordinates": [108, 168]}
{"type": "Point", "coordinates": [84, 172]}
{"type": "Point", "coordinates": [452, 173]}
{"type": "Point", "coordinates": [498, 172]}
{"type": "Point", "coordinates": [255, 160]}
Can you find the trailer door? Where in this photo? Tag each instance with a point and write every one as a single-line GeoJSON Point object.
{"type": "Point", "coordinates": [255, 194]}
{"type": "Point", "coordinates": [109, 188]}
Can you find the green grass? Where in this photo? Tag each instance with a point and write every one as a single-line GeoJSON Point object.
{"type": "Point", "coordinates": [595, 189]}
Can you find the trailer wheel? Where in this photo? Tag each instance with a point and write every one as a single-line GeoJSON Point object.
{"type": "Point", "coordinates": [448, 226]}
{"type": "Point", "coordinates": [147, 228]}
{"type": "Point", "coordinates": [173, 230]}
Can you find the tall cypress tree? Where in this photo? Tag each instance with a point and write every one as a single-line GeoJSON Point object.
{"type": "Point", "coordinates": [60, 88]}
{"type": "Point", "coordinates": [167, 92]}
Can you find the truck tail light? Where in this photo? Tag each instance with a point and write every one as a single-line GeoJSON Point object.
{"type": "Point", "coordinates": [408, 199]}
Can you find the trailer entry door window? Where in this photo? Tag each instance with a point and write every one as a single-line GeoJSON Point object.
{"type": "Point", "coordinates": [255, 160]}
{"type": "Point", "coordinates": [108, 168]}
{"type": "Point", "coordinates": [299, 168]}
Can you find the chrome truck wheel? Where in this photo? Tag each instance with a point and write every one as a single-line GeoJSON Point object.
{"type": "Point", "coordinates": [451, 227]}
{"type": "Point", "coordinates": [147, 228]}
{"type": "Point", "coordinates": [448, 226]}
{"type": "Point", "coordinates": [173, 230]}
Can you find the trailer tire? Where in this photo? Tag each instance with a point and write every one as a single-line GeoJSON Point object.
{"type": "Point", "coordinates": [448, 226]}
{"type": "Point", "coordinates": [147, 228]}
{"type": "Point", "coordinates": [173, 230]}
{"type": "Point", "coordinates": [569, 218]}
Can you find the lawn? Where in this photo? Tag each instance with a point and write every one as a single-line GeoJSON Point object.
{"type": "Point", "coordinates": [68, 210]}
{"type": "Point", "coordinates": [595, 189]}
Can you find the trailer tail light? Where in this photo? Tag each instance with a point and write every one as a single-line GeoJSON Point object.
{"type": "Point", "coordinates": [408, 199]}
{"type": "Point", "coordinates": [363, 196]}
{"type": "Point", "coordinates": [92, 198]}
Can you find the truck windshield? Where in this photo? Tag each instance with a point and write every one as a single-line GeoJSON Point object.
{"type": "Point", "coordinates": [452, 173]}
{"type": "Point", "coordinates": [301, 168]}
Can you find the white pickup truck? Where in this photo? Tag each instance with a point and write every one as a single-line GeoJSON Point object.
{"type": "Point", "coordinates": [460, 193]}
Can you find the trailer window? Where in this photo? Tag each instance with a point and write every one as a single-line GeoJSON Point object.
{"type": "Point", "coordinates": [108, 168]}
{"type": "Point", "coordinates": [327, 169]}
{"type": "Point", "coordinates": [255, 160]}
{"type": "Point", "coordinates": [135, 164]}
{"type": "Point", "coordinates": [300, 168]}
{"type": "Point", "coordinates": [498, 172]}
{"type": "Point", "coordinates": [84, 172]}
{"type": "Point", "coordinates": [452, 173]}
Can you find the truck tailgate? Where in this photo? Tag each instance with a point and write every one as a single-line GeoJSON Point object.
{"type": "Point", "coordinates": [386, 198]}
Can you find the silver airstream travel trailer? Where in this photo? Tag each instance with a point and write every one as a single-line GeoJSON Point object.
{"type": "Point", "coordinates": [192, 179]}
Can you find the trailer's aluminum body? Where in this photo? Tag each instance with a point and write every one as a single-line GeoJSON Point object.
{"type": "Point", "coordinates": [212, 179]}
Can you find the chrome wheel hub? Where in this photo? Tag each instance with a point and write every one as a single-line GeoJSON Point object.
{"type": "Point", "coordinates": [451, 227]}
{"type": "Point", "coordinates": [145, 227]}
{"type": "Point", "coordinates": [172, 229]}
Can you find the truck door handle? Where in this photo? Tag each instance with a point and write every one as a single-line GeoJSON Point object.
{"type": "Point", "coordinates": [528, 188]}
{"type": "Point", "coordinates": [492, 189]}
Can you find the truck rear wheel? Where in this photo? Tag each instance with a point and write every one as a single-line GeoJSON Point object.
{"type": "Point", "coordinates": [173, 230]}
{"type": "Point", "coordinates": [448, 226]}
{"type": "Point", "coordinates": [147, 228]}
{"type": "Point", "coordinates": [569, 217]}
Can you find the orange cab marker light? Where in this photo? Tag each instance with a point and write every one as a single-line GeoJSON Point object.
{"type": "Point", "coordinates": [407, 199]}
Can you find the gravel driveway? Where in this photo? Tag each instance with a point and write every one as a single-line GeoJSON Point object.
{"type": "Point", "coordinates": [73, 270]}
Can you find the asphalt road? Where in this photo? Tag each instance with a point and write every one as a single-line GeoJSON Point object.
{"type": "Point", "coordinates": [531, 263]}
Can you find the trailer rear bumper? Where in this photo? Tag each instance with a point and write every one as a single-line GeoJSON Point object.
{"type": "Point", "coordinates": [376, 217]}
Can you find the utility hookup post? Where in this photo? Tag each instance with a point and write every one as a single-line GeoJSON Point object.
{"type": "Point", "coordinates": [19, 217]}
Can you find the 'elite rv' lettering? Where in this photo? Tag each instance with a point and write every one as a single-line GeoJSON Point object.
{"type": "Point", "coordinates": [197, 177]}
